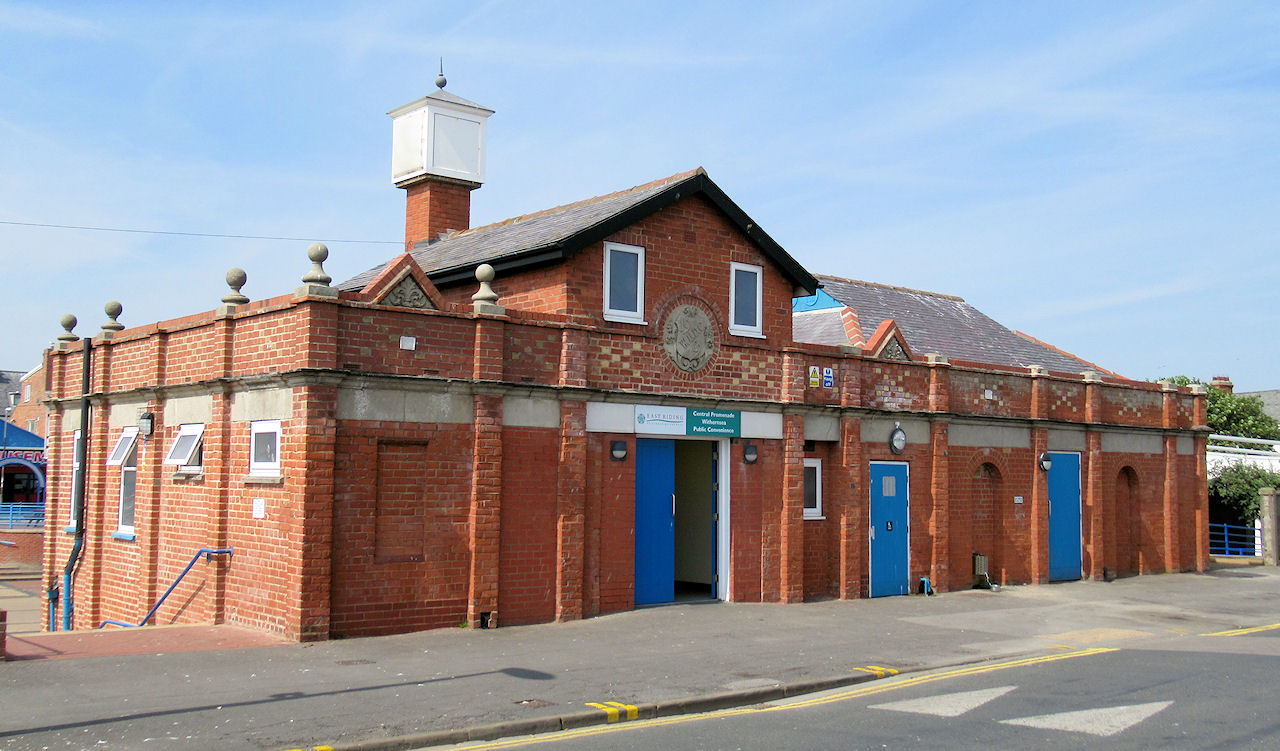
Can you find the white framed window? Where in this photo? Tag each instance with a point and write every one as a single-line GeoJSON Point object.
{"type": "Point", "coordinates": [124, 444]}
{"type": "Point", "coordinates": [128, 485]}
{"type": "Point", "coordinates": [264, 447]}
{"type": "Point", "coordinates": [187, 451]}
{"type": "Point", "coordinates": [623, 283]}
{"type": "Point", "coordinates": [33, 426]}
{"type": "Point", "coordinates": [745, 290]}
{"type": "Point", "coordinates": [26, 392]}
{"type": "Point", "coordinates": [77, 457]}
{"type": "Point", "coordinates": [813, 489]}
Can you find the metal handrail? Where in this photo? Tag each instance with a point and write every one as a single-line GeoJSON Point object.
{"type": "Point", "coordinates": [1234, 540]}
{"type": "Point", "coordinates": [208, 554]}
{"type": "Point", "coordinates": [21, 515]}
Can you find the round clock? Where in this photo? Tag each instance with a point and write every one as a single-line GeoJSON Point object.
{"type": "Point", "coordinates": [898, 440]}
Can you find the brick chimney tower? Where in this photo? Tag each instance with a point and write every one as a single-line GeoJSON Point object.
{"type": "Point", "coordinates": [1223, 383]}
{"type": "Point", "coordinates": [437, 156]}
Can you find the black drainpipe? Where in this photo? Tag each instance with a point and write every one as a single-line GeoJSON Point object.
{"type": "Point", "coordinates": [81, 484]}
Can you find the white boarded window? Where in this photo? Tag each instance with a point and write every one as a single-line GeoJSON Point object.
{"type": "Point", "coordinates": [264, 447]}
{"type": "Point", "coordinates": [623, 283]}
{"type": "Point", "coordinates": [188, 447]}
{"type": "Point", "coordinates": [745, 289]}
{"type": "Point", "coordinates": [813, 488]}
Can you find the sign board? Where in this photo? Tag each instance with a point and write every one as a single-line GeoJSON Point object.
{"type": "Point", "coordinates": [31, 455]}
{"type": "Point", "coordinates": [696, 421]}
{"type": "Point", "coordinates": [828, 378]}
{"type": "Point", "coordinates": [714, 422]}
{"type": "Point", "coordinates": [815, 374]}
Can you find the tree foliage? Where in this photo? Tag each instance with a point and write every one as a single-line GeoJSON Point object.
{"type": "Point", "coordinates": [1235, 414]}
{"type": "Point", "coordinates": [1236, 488]}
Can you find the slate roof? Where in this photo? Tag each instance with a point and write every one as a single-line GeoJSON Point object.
{"type": "Point", "coordinates": [931, 323]}
{"type": "Point", "coordinates": [555, 234]}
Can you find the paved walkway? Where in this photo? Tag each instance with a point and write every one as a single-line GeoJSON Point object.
{"type": "Point", "coordinates": [441, 686]}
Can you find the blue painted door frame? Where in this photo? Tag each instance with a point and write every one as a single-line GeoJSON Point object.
{"type": "Point", "coordinates": [655, 520]}
{"type": "Point", "coordinates": [1064, 516]}
{"type": "Point", "coordinates": [890, 534]}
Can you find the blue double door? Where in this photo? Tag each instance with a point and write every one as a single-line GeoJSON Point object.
{"type": "Point", "coordinates": [675, 518]}
{"type": "Point", "coordinates": [890, 533]}
{"type": "Point", "coordinates": [1064, 516]}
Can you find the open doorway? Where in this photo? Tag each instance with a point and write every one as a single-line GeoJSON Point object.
{"type": "Point", "coordinates": [677, 537]}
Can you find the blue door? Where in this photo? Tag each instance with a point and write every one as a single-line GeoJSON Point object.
{"type": "Point", "coordinates": [1064, 517]}
{"type": "Point", "coordinates": [890, 534]}
{"type": "Point", "coordinates": [655, 520]}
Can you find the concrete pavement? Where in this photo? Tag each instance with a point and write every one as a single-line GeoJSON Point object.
{"type": "Point", "coordinates": [446, 685]}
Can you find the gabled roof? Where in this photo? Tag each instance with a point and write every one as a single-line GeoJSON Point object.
{"type": "Point", "coordinates": [555, 234]}
{"type": "Point", "coordinates": [930, 323]}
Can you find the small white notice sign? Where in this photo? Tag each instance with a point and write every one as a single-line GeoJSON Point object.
{"type": "Point", "coordinates": [259, 508]}
{"type": "Point", "coordinates": [1017, 499]}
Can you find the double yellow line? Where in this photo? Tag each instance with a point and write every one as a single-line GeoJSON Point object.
{"type": "Point", "coordinates": [1243, 631]}
{"type": "Point", "coordinates": [874, 688]}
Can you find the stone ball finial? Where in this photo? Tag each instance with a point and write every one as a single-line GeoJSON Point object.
{"type": "Point", "coordinates": [68, 322]}
{"type": "Point", "coordinates": [113, 310]}
{"type": "Point", "coordinates": [440, 79]}
{"type": "Point", "coordinates": [485, 300]}
{"type": "Point", "coordinates": [235, 280]}
{"type": "Point", "coordinates": [318, 253]}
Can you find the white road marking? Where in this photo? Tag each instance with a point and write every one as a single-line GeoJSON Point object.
{"type": "Point", "coordinates": [947, 705]}
{"type": "Point", "coordinates": [1102, 722]}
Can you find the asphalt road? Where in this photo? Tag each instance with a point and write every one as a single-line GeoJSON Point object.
{"type": "Point", "coordinates": [1194, 693]}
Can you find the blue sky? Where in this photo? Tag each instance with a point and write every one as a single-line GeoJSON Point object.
{"type": "Point", "coordinates": [1103, 176]}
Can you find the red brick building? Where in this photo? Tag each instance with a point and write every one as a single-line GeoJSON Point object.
{"type": "Point", "coordinates": [624, 417]}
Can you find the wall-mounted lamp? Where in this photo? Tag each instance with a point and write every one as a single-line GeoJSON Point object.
{"type": "Point", "coordinates": [750, 453]}
{"type": "Point", "coordinates": [1045, 461]}
{"type": "Point", "coordinates": [618, 450]}
{"type": "Point", "coordinates": [898, 439]}
{"type": "Point", "coordinates": [146, 424]}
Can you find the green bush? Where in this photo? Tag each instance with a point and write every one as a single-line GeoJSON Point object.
{"type": "Point", "coordinates": [1236, 488]}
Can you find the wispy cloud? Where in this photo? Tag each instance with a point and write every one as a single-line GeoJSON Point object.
{"type": "Point", "coordinates": [31, 19]}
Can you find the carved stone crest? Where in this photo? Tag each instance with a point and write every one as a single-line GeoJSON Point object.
{"type": "Point", "coordinates": [893, 351]}
{"type": "Point", "coordinates": [407, 294]}
{"type": "Point", "coordinates": [688, 338]}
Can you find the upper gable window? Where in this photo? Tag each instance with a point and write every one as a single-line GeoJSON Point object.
{"type": "Point", "coordinates": [623, 283]}
{"type": "Point", "coordinates": [744, 299]}
{"type": "Point", "coordinates": [264, 447]}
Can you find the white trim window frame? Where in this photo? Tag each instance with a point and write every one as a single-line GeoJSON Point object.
{"type": "Point", "coordinates": [813, 509]}
{"type": "Point", "coordinates": [77, 460]}
{"type": "Point", "coordinates": [623, 283]}
{"type": "Point", "coordinates": [124, 444]}
{"type": "Point", "coordinates": [128, 463]}
{"type": "Point", "coordinates": [747, 320]}
{"type": "Point", "coordinates": [264, 447]}
{"type": "Point", "coordinates": [186, 453]}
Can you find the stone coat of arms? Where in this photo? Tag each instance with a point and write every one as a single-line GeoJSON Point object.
{"type": "Point", "coordinates": [688, 338]}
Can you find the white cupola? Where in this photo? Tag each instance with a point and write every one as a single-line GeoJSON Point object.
{"type": "Point", "coordinates": [439, 135]}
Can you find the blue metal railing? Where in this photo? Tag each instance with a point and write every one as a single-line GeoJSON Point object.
{"type": "Point", "coordinates": [22, 515]}
{"type": "Point", "coordinates": [1234, 539]}
{"type": "Point", "coordinates": [208, 554]}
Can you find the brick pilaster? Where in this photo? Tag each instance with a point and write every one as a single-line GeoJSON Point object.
{"type": "Point", "coordinates": [791, 519]}
{"type": "Point", "coordinates": [1094, 499]}
{"type": "Point", "coordinates": [853, 510]}
{"type": "Point", "coordinates": [485, 517]}
{"type": "Point", "coordinates": [1039, 508]}
{"type": "Point", "coordinates": [1172, 506]}
{"type": "Point", "coordinates": [940, 495]}
{"type": "Point", "coordinates": [571, 510]}
{"type": "Point", "coordinates": [311, 477]}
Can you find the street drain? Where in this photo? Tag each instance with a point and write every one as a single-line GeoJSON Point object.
{"type": "Point", "coordinates": [356, 662]}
